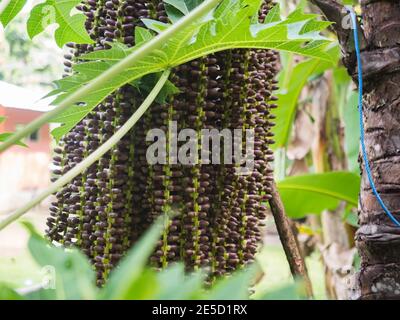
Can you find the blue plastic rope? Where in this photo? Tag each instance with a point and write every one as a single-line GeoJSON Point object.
{"type": "Point", "coordinates": [362, 133]}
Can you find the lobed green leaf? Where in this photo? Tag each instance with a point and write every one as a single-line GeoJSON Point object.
{"type": "Point", "coordinates": [232, 25]}
{"type": "Point", "coordinates": [71, 27]}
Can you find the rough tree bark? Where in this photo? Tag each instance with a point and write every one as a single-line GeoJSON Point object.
{"type": "Point", "coordinates": [378, 239]}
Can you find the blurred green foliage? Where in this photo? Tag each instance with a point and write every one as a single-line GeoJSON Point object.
{"type": "Point", "coordinates": [313, 193]}
{"type": "Point", "coordinates": [27, 63]}
{"type": "Point", "coordinates": [73, 278]}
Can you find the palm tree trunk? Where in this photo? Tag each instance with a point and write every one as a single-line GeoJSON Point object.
{"type": "Point", "coordinates": [378, 239]}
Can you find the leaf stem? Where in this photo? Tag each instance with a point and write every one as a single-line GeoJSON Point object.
{"type": "Point", "coordinates": [112, 72]}
{"type": "Point", "coordinates": [92, 158]}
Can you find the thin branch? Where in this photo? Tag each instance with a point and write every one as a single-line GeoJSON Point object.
{"type": "Point", "coordinates": [92, 158]}
{"type": "Point", "coordinates": [288, 240]}
{"type": "Point", "coordinates": [110, 73]}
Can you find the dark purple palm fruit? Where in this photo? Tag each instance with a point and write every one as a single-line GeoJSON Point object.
{"type": "Point", "coordinates": [117, 208]}
{"type": "Point", "coordinates": [67, 227]}
{"type": "Point", "coordinates": [228, 221]}
{"type": "Point", "coordinates": [248, 85]}
{"type": "Point", "coordinates": [195, 218]}
{"type": "Point", "coordinates": [90, 137]}
{"type": "Point", "coordinates": [97, 205]}
{"type": "Point", "coordinates": [219, 213]}
{"type": "Point", "coordinates": [57, 221]}
{"type": "Point", "coordinates": [165, 185]}
{"type": "Point", "coordinates": [212, 115]}
{"type": "Point", "coordinates": [262, 69]}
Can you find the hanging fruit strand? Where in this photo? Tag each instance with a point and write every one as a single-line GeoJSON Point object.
{"type": "Point", "coordinates": [219, 213]}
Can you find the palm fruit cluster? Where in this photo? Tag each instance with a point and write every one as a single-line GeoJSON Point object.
{"type": "Point", "coordinates": [106, 209]}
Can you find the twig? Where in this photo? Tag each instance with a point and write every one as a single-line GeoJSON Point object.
{"type": "Point", "coordinates": [288, 240]}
